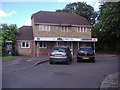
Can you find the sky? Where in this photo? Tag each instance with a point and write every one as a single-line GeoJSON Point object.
{"type": "Point", "coordinates": [19, 13]}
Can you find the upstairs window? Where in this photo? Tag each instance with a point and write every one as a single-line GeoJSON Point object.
{"type": "Point", "coordinates": [79, 29]}
{"type": "Point", "coordinates": [42, 45]}
{"type": "Point", "coordinates": [64, 28]}
{"type": "Point", "coordinates": [25, 44]}
{"type": "Point", "coordinates": [44, 27]}
{"type": "Point", "coordinates": [82, 29]}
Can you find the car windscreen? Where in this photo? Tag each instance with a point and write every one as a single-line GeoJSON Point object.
{"type": "Point", "coordinates": [86, 49]}
{"type": "Point", "coordinates": [59, 50]}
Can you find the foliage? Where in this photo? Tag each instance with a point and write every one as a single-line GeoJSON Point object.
{"type": "Point", "coordinates": [107, 29]}
{"type": "Point", "coordinates": [8, 33]}
{"type": "Point", "coordinates": [82, 9]}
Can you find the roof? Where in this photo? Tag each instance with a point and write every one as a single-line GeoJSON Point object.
{"type": "Point", "coordinates": [59, 18]}
{"type": "Point", "coordinates": [25, 33]}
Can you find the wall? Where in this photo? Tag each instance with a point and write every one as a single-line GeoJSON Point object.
{"type": "Point", "coordinates": [55, 31]}
{"type": "Point", "coordinates": [25, 51]}
{"type": "Point", "coordinates": [44, 51]}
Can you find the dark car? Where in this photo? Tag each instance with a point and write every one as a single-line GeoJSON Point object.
{"type": "Point", "coordinates": [60, 54]}
{"type": "Point", "coordinates": [85, 54]}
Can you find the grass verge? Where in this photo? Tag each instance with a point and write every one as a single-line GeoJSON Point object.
{"type": "Point", "coordinates": [10, 58]}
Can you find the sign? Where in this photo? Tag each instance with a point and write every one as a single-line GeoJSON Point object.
{"type": "Point", "coordinates": [65, 39]}
{"type": "Point", "coordinates": [59, 38]}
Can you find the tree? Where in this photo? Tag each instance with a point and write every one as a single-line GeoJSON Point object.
{"type": "Point", "coordinates": [82, 9]}
{"type": "Point", "coordinates": [108, 26]}
{"type": "Point", "coordinates": [8, 33]}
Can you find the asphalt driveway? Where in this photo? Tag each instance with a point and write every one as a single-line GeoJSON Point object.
{"type": "Point", "coordinates": [24, 74]}
{"type": "Point", "coordinates": [22, 62]}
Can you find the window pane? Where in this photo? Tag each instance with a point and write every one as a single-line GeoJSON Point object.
{"type": "Point", "coordinates": [49, 28]}
{"type": "Point", "coordinates": [27, 44]}
{"type": "Point", "coordinates": [44, 44]}
{"type": "Point", "coordinates": [40, 44]}
{"type": "Point", "coordinates": [23, 44]}
{"type": "Point", "coordinates": [62, 28]}
{"type": "Point", "coordinates": [66, 28]}
{"type": "Point", "coordinates": [42, 28]}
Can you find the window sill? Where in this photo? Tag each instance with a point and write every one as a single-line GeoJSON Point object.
{"type": "Point", "coordinates": [25, 47]}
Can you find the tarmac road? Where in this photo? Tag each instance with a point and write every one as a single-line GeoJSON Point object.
{"type": "Point", "coordinates": [75, 75]}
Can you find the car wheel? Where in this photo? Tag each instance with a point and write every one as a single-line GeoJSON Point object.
{"type": "Point", "coordinates": [93, 61]}
{"type": "Point", "coordinates": [68, 62]}
{"type": "Point", "coordinates": [78, 60]}
{"type": "Point", "coordinates": [51, 62]}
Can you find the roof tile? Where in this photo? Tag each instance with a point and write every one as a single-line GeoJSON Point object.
{"type": "Point", "coordinates": [25, 33]}
{"type": "Point", "coordinates": [59, 18]}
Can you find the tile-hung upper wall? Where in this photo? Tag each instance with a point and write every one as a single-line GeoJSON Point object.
{"type": "Point", "coordinates": [61, 31]}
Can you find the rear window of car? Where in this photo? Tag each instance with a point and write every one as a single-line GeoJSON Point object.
{"type": "Point", "coordinates": [86, 49]}
{"type": "Point", "coordinates": [59, 50]}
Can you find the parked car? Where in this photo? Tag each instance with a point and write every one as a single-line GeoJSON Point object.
{"type": "Point", "coordinates": [60, 54]}
{"type": "Point", "coordinates": [85, 54]}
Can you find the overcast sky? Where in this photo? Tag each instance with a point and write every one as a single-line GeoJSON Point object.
{"type": "Point", "coordinates": [19, 12]}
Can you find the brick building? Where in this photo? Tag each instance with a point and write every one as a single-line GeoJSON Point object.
{"type": "Point", "coordinates": [53, 29]}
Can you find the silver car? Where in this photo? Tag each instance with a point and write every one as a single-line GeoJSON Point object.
{"type": "Point", "coordinates": [60, 54]}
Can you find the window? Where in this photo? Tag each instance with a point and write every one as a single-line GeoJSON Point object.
{"type": "Point", "coordinates": [64, 28]}
{"type": "Point", "coordinates": [82, 29]}
{"type": "Point", "coordinates": [25, 44]}
{"type": "Point", "coordinates": [79, 29]}
{"type": "Point", "coordinates": [42, 45]}
{"type": "Point", "coordinates": [86, 29]}
{"type": "Point", "coordinates": [44, 27]}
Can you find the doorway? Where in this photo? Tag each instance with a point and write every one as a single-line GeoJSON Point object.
{"type": "Point", "coordinates": [70, 45]}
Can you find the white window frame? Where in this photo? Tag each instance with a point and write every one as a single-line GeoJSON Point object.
{"type": "Point", "coordinates": [86, 29]}
{"type": "Point", "coordinates": [25, 44]}
{"type": "Point", "coordinates": [43, 42]}
{"type": "Point", "coordinates": [64, 28]}
{"type": "Point", "coordinates": [82, 29]}
{"type": "Point", "coordinates": [44, 27]}
{"type": "Point", "coordinates": [78, 29]}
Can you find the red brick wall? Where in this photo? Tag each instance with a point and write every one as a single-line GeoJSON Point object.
{"type": "Point", "coordinates": [25, 51]}
{"type": "Point", "coordinates": [45, 51]}
{"type": "Point", "coordinates": [55, 31]}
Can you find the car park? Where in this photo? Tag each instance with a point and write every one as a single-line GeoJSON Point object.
{"type": "Point", "coordinates": [85, 54]}
{"type": "Point", "coordinates": [60, 54]}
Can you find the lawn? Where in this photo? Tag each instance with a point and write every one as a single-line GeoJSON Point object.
{"type": "Point", "coordinates": [10, 58]}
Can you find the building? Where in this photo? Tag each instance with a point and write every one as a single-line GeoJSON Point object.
{"type": "Point", "coordinates": [53, 29]}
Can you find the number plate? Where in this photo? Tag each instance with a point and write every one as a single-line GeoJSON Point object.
{"type": "Point", "coordinates": [58, 54]}
{"type": "Point", "coordinates": [85, 57]}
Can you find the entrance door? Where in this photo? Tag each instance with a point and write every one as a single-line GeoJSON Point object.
{"type": "Point", "coordinates": [70, 45]}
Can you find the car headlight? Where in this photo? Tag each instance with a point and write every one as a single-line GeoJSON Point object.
{"type": "Point", "coordinates": [81, 51]}
{"type": "Point", "coordinates": [92, 53]}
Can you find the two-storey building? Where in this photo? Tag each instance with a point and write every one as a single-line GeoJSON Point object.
{"type": "Point", "coordinates": [51, 29]}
